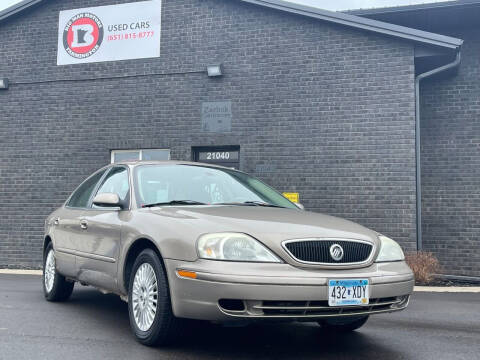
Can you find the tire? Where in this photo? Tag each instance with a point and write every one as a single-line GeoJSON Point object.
{"type": "Point", "coordinates": [343, 325]}
{"type": "Point", "coordinates": [160, 327]}
{"type": "Point", "coordinates": [55, 287]}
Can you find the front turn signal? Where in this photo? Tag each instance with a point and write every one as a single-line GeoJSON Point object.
{"type": "Point", "coordinates": [187, 274]}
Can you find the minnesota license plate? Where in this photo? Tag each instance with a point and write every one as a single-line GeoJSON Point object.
{"type": "Point", "coordinates": [348, 292]}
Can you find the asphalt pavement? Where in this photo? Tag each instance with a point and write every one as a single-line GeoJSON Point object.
{"type": "Point", "coordinates": [95, 326]}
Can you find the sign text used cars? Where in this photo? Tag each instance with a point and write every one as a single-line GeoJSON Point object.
{"type": "Point", "coordinates": [110, 33]}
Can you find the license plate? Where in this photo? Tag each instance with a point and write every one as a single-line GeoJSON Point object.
{"type": "Point", "coordinates": [348, 292]}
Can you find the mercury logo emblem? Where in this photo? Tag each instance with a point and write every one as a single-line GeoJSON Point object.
{"type": "Point", "coordinates": [336, 252]}
{"type": "Point", "coordinates": [83, 35]}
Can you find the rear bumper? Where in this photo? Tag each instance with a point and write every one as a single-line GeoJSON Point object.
{"type": "Point", "coordinates": [280, 292]}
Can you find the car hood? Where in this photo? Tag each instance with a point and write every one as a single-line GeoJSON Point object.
{"type": "Point", "coordinates": [271, 226]}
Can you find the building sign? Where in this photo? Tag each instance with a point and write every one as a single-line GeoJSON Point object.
{"type": "Point", "coordinates": [219, 156]}
{"type": "Point", "coordinates": [109, 33]}
{"type": "Point", "coordinates": [293, 197]}
{"type": "Point", "coordinates": [265, 168]}
{"type": "Point", "coordinates": [217, 116]}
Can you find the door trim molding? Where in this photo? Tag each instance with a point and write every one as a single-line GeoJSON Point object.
{"type": "Point", "coordinates": [87, 255]}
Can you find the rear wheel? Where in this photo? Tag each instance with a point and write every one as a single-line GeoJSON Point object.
{"type": "Point", "coordinates": [149, 304]}
{"type": "Point", "coordinates": [55, 286]}
{"type": "Point", "coordinates": [343, 324]}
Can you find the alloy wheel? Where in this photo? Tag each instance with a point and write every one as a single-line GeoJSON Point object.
{"type": "Point", "coordinates": [49, 271]}
{"type": "Point", "coordinates": [145, 296]}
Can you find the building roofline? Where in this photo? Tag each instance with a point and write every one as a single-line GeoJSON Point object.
{"type": "Point", "coordinates": [362, 23]}
{"type": "Point", "coordinates": [406, 8]}
{"type": "Point", "coordinates": [330, 16]}
{"type": "Point", "coordinates": [22, 5]}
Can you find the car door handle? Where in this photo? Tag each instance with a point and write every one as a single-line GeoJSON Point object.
{"type": "Point", "coordinates": [84, 224]}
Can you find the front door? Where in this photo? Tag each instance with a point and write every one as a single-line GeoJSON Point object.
{"type": "Point", "coordinates": [228, 156]}
{"type": "Point", "coordinates": [98, 249]}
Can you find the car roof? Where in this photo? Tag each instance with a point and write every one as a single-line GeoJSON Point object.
{"type": "Point", "coordinates": [135, 163]}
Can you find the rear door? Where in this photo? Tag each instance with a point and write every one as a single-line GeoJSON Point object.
{"type": "Point", "coordinates": [99, 244]}
{"type": "Point", "coordinates": [67, 226]}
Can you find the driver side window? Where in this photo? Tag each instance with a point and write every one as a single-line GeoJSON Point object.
{"type": "Point", "coordinates": [81, 196]}
{"type": "Point", "coordinates": [116, 182]}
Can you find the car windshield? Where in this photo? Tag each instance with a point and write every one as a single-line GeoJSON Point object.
{"type": "Point", "coordinates": [197, 185]}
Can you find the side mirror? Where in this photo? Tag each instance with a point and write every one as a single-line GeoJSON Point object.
{"type": "Point", "coordinates": [300, 206]}
{"type": "Point", "coordinates": [107, 200]}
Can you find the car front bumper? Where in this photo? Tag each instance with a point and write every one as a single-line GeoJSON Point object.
{"type": "Point", "coordinates": [228, 291]}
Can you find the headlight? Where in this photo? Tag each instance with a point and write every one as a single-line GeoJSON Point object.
{"type": "Point", "coordinates": [389, 250]}
{"type": "Point", "coordinates": [233, 247]}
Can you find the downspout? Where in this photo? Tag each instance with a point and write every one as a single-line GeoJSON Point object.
{"type": "Point", "coordinates": [418, 79]}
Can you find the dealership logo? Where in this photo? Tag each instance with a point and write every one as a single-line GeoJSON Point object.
{"type": "Point", "coordinates": [83, 35]}
{"type": "Point", "coordinates": [336, 252]}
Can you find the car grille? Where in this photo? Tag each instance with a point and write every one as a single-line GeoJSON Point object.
{"type": "Point", "coordinates": [318, 251]}
{"type": "Point", "coordinates": [312, 309]}
{"type": "Point", "coordinates": [299, 308]}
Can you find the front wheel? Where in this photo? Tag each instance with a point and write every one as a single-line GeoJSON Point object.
{"type": "Point", "coordinates": [343, 324]}
{"type": "Point", "coordinates": [149, 304]}
{"type": "Point", "coordinates": [55, 287]}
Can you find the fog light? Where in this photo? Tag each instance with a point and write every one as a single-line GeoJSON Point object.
{"type": "Point", "coordinates": [232, 304]}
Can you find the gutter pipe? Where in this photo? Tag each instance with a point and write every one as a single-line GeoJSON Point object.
{"type": "Point", "coordinates": [418, 79]}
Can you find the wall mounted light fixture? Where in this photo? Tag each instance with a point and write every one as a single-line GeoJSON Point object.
{"type": "Point", "coordinates": [215, 70]}
{"type": "Point", "coordinates": [3, 83]}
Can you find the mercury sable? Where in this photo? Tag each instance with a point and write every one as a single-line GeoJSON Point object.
{"type": "Point", "coordinates": [186, 240]}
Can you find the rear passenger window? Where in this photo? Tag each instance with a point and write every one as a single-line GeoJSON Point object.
{"type": "Point", "coordinates": [81, 196]}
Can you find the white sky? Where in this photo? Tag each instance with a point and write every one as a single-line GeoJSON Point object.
{"type": "Point", "coordinates": [7, 3]}
{"type": "Point", "coordinates": [323, 4]}
{"type": "Point", "coordinates": [339, 5]}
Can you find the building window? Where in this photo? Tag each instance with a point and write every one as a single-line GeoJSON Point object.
{"type": "Point", "coordinates": [140, 154]}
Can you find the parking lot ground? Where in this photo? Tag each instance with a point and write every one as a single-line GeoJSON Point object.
{"type": "Point", "coordinates": [95, 326]}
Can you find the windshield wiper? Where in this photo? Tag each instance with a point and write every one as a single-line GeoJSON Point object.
{"type": "Point", "coordinates": [260, 203]}
{"type": "Point", "coordinates": [174, 202]}
{"type": "Point", "coordinates": [252, 203]}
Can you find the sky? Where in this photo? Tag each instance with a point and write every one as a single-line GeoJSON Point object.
{"type": "Point", "coordinates": [335, 5]}
{"type": "Point", "coordinates": [339, 5]}
{"type": "Point", "coordinates": [7, 3]}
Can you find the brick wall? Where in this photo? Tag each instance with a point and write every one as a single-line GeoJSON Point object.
{"type": "Point", "coordinates": [451, 162]}
{"type": "Point", "coordinates": [329, 109]}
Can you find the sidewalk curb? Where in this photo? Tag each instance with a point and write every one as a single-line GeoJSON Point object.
{"type": "Point", "coordinates": [448, 289]}
{"type": "Point", "coordinates": [20, 272]}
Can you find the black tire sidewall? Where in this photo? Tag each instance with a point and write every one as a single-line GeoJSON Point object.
{"type": "Point", "coordinates": [61, 289]}
{"type": "Point", "coordinates": [49, 295]}
{"type": "Point", "coordinates": [163, 316]}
